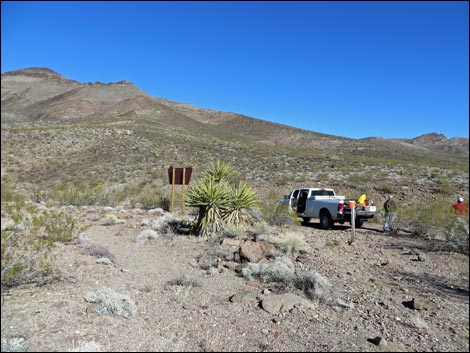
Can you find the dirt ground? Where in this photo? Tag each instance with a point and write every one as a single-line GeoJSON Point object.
{"type": "Point", "coordinates": [377, 277]}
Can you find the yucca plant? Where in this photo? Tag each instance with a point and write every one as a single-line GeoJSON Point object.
{"type": "Point", "coordinates": [212, 199]}
{"type": "Point", "coordinates": [221, 171]}
{"type": "Point", "coordinates": [242, 197]}
{"type": "Point", "coordinates": [219, 203]}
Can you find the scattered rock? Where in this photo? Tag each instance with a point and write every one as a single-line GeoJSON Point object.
{"type": "Point", "coordinates": [252, 251]}
{"type": "Point", "coordinates": [419, 304]}
{"type": "Point", "coordinates": [247, 297]}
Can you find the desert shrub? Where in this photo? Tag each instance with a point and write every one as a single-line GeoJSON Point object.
{"type": "Point", "coordinates": [282, 217]}
{"type": "Point", "coordinates": [233, 231]}
{"type": "Point", "coordinates": [14, 344]}
{"type": "Point", "coordinates": [282, 275]}
{"type": "Point", "coordinates": [148, 234]}
{"type": "Point", "coordinates": [28, 237]}
{"type": "Point", "coordinates": [37, 195]}
{"type": "Point", "coordinates": [82, 195]}
{"type": "Point", "coordinates": [280, 270]}
{"type": "Point", "coordinates": [434, 220]}
{"type": "Point", "coordinates": [109, 302]}
{"type": "Point", "coordinates": [150, 199]}
{"type": "Point", "coordinates": [418, 323]}
{"type": "Point", "coordinates": [291, 242]}
{"type": "Point", "coordinates": [169, 226]}
{"type": "Point", "coordinates": [321, 177]}
{"type": "Point", "coordinates": [110, 219]}
{"type": "Point", "coordinates": [98, 251]}
{"type": "Point", "coordinates": [184, 281]}
{"type": "Point", "coordinates": [387, 188]}
{"type": "Point", "coordinates": [276, 214]}
{"type": "Point", "coordinates": [8, 195]}
{"type": "Point", "coordinates": [314, 285]}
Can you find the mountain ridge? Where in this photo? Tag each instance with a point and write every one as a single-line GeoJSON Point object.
{"type": "Point", "coordinates": [207, 116]}
{"type": "Point", "coordinates": [57, 130]}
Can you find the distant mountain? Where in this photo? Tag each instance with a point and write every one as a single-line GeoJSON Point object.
{"type": "Point", "coordinates": [55, 127]}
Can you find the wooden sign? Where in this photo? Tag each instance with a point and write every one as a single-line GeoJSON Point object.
{"type": "Point", "coordinates": [179, 174]}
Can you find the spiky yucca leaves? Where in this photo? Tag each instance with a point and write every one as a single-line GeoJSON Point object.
{"type": "Point", "coordinates": [242, 197]}
{"type": "Point", "coordinates": [212, 198]}
{"type": "Point", "coordinates": [221, 171]}
{"type": "Point", "coordinates": [219, 203]}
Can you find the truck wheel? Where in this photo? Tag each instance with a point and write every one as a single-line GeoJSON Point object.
{"type": "Point", "coordinates": [326, 222]}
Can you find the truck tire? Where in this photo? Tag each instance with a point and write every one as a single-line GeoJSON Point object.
{"type": "Point", "coordinates": [326, 222]}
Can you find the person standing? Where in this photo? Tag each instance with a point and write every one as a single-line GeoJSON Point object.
{"type": "Point", "coordinates": [460, 208]}
{"type": "Point", "coordinates": [390, 207]}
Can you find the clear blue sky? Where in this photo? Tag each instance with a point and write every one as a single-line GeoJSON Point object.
{"type": "Point", "coordinates": [353, 69]}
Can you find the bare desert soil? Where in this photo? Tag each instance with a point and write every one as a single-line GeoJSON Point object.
{"type": "Point", "coordinates": [376, 278]}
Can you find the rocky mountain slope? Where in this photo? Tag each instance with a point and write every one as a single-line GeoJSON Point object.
{"type": "Point", "coordinates": [57, 130]}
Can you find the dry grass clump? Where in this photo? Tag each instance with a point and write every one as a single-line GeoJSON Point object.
{"type": "Point", "coordinates": [418, 323]}
{"type": "Point", "coordinates": [282, 275]}
{"type": "Point", "coordinates": [184, 281]}
{"type": "Point", "coordinates": [149, 198]}
{"type": "Point", "coordinates": [291, 242]}
{"type": "Point", "coordinates": [148, 234]}
{"type": "Point", "coordinates": [314, 285]}
{"type": "Point", "coordinates": [110, 302]}
{"type": "Point", "coordinates": [111, 219]}
{"type": "Point", "coordinates": [280, 270]}
{"type": "Point", "coordinates": [98, 251]}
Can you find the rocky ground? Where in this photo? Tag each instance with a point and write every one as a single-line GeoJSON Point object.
{"type": "Point", "coordinates": [176, 292]}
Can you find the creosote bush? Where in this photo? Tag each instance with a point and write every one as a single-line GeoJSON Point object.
{"type": "Point", "coordinates": [28, 237]}
{"type": "Point", "coordinates": [434, 220]}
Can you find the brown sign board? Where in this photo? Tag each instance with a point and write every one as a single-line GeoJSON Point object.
{"type": "Point", "coordinates": [179, 175]}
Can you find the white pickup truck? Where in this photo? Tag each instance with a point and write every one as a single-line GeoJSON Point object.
{"type": "Point", "coordinates": [325, 205]}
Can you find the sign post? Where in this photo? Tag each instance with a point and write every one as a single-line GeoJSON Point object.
{"type": "Point", "coordinates": [173, 176]}
{"type": "Point", "coordinates": [352, 205]}
{"type": "Point", "coordinates": [182, 190]}
{"type": "Point", "coordinates": [178, 176]}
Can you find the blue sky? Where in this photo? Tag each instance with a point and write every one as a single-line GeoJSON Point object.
{"type": "Point", "coordinates": [353, 69]}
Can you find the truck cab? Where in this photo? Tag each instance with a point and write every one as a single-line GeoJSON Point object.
{"type": "Point", "coordinates": [297, 199]}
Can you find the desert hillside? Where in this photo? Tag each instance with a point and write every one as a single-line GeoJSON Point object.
{"type": "Point", "coordinates": [57, 131]}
